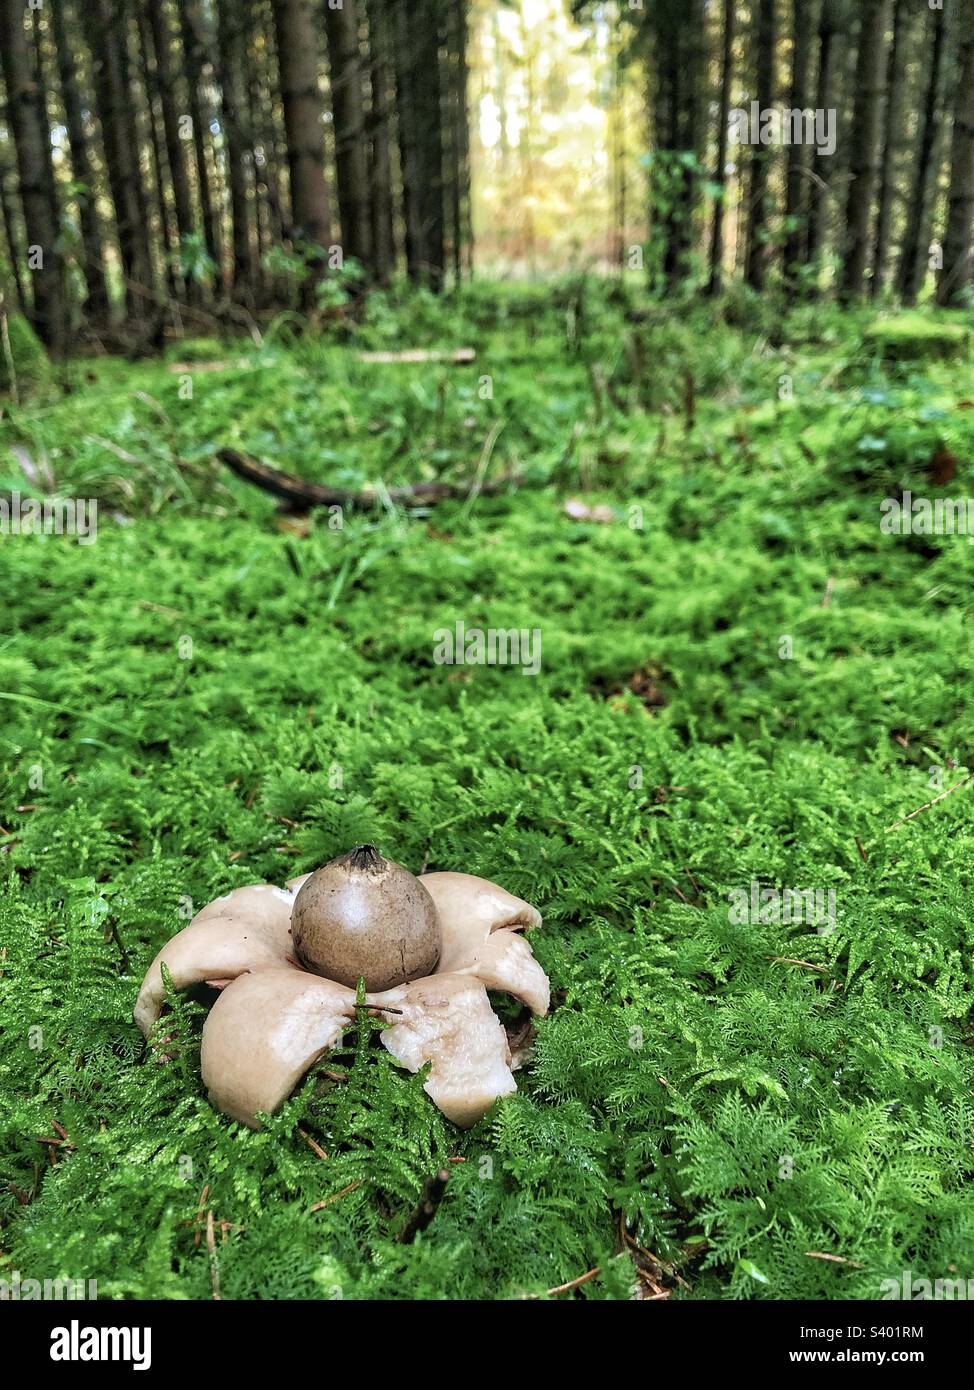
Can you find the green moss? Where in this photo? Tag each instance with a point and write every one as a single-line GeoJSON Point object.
{"type": "Point", "coordinates": [739, 1092]}
{"type": "Point", "coordinates": [25, 351]}
{"type": "Point", "coordinates": [915, 337]}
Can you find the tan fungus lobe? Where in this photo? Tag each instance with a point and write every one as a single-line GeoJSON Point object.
{"type": "Point", "coordinates": [273, 1020]}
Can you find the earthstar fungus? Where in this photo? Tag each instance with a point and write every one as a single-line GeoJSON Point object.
{"type": "Point", "coordinates": [286, 962]}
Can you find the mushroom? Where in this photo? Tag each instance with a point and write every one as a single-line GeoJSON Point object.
{"type": "Point", "coordinates": [247, 929]}
{"type": "Point", "coordinates": [447, 1020]}
{"type": "Point", "coordinates": [470, 908]}
{"type": "Point", "coordinates": [363, 917]}
{"type": "Point", "coordinates": [264, 1032]}
{"type": "Point", "coordinates": [360, 913]}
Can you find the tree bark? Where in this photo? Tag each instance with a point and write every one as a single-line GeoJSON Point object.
{"type": "Point", "coordinates": [758, 252]}
{"type": "Point", "coordinates": [162, 42]}
{"type": "Point", "coordinates": [96, 304]}
{"type": "Point", "coordinates": [826, 86]}
{"type": "Point", "coordinates": [421, 137]}
{"type": "Point", "coordinates": [15, 251]}
{"type": "Point", "coordinates": [194, 51]}
{"type": "Point", "coordinates": [297, 55]}
{"type": "Point", "coordinates": [167, 234]}
{"type": "Point", "coordinates": [719, 175]}
{"type": "Point", "coordinates": [956, 275]}
{"type": "Point", "coordinates": [107, 40]}
{"type": "Point", "coordinates": [912, 266]}
{"type": "Point", "coordinates": [679, 125]}
{"type": "Point", "coordinates": [892, 124]}
{"type": "Point", "coordinates": [380, 180]}
{"type": "Point", "coordinates": [348, 114]}
{"type": "Point", "coordinates": [870, 75]}
{"type": "Point", "coordinates": [803, 29]}
{"type": "Point", "coordinates": [461, 232]}
{"type": "Point", "coordinates": [28, 124]}
{"type": "Point", "coordinates": [231, 20]}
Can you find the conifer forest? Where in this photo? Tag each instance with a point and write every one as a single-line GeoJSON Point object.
{"type": "Point", "coordinates": [486, 654]}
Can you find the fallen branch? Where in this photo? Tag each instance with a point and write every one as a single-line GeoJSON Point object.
{"type": "Point", "coordinates": [302, 495]}
{"type": "Point", "coordinates": [459, 357]}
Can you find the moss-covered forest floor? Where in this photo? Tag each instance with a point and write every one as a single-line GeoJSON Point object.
{"type": "Point", "coordinates": [743, 680]}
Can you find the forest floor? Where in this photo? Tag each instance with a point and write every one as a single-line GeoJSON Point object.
{"type": "Point", "coordinates": [743, 681]}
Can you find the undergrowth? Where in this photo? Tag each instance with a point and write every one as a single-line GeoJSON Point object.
{"type": "Point", "coordinates": [206, 698]}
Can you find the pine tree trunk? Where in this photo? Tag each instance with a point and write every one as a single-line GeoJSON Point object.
{"type": "Point", "coordinates": [28, 123]}
{"type": "Point", "coordinates": [957, 273]}
{"type": "Point", "coordinates": [459, 133]}
{"type": "Point", "coordinates": [107, 41]}
{"type": "Point", "coordinates": [826, 87]}
{"type": "Point", "coordinates": [720, 175]}
{"type": "Point", "coordinates": [679, 125]}
{"type": "Point", "coordinates": [96, 303]}
{"type": "Point", "coordinates": [380, 181]}
{"type": "Point", "coordinates": [912, 266]}
{"type": "Point", "coordinates": [11, 229]}
{"type": "Point", "coordinates": [758, 254]}
{"type": "Point", "coordinates": [167, 234]}
{"type": "Point", "coordinates": [231, 20]}
{"type": "Point", "coordinates": [421, 137]}
{"type": "Point", "coordinates": [803, 30]}
{"type": "Point", "coordinates": [297, 55]}
{"type": "Point", "coordinates": [348, 111]}
{"type": "Point", "coordinates": [194, 51]}
{"type": "Point", "coordinates": [162, 42]}
{"type": "Point", "coordinates": [892, 124]}
{"type": "Point", "coordinates": [870, 75]}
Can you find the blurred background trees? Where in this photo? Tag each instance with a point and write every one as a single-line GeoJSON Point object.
{"type": "Point", "coordinates": [164, 162]}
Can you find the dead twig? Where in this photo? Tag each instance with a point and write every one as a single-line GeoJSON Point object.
{"type": "Point", "coordinates": [790, 960]}
{"type": "Point", "coordinates": [211, 1251]}
{"type": "Point", "coordinates": [573, 1283]}
{"type": "Point", "coordinates": [327, 1201]}
{"type": "Point", "coordinates": [459, 357]}
{"type": "Point", "coordinates": [312, 1144]}
{"type": "Point", "coordinates": [927, 804]}
{"type": "Point", "coordinates": [303, 495]}
{"type": "Point", "coordinates": [832, 1259]}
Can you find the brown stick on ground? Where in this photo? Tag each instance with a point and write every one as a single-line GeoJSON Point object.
{"type": "Point", "coordinates": [302, 495]}
{"type": "Point", "coordinates": [459, 357]}
{"type": "Point", "coordinates": [424, 1211]}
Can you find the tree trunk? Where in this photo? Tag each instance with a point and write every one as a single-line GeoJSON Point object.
{"type": "Point", "coordinates": [826, 86]}
{"type": "Point", "coordinates": [107, 41]}
{"type": "Point", "coordinates": [194, 50]}
{"type": "Point", "coordinates": [803, 29]}
{"type": "Point", "coordinates": [28, 124]}
{"type": "Point", "coordinates": [168, 238]}
{"type": "Point", "coordinates": [421, 137]}
{"type": "Point", "coordinates": [461, 232]}
{"type": "Point", "coordinates": [956, 275]}
{"type": "Point", "coordinates": [870, 74]}
{"type": "Point", "coordinates": [720, 175]}
{"type": "Point", "coordinates": [912, 266]}
{"type": "Point", "coordinates": [15, 251]}
{"type": "Point", "coordinates": [96, 304]}
{"type": "Point", "coordinates": [348, 113]}
{"type": "Point", "coordinates": [679, 123]}
{"type": "Point", "coordinates": [162, 42]}
{"type": "Point", "coordinates": [380, 182]}
{"type": "Point", "coordinates": [232, 58]}
{"type": "Point", "coordinates": [892, 124]}
{"type": "Point", "coordinates": [297, 54]}
{"type": "Point", "coordinates": [758, 255]}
